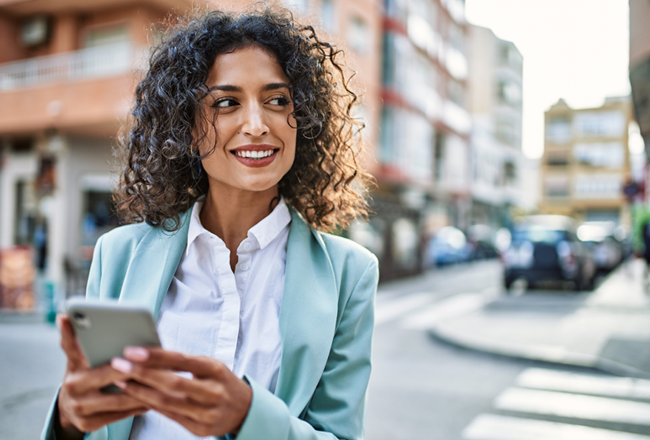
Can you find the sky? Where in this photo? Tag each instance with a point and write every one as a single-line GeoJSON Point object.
{"type": "Point", "coordinates": [573, 49]}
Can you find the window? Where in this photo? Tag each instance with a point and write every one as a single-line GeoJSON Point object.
{"type": "Point", "coordinates": [358, 35]}
{"type": "Point", "coordinates": [556, 186]}
{"type": "Point", "coordinates": [328, 15]}
{"type": "Point", "coordinates": [387, 136]}
{"type": "Point", "coordinates": [509, 172]}
{"type": "Point", "coordinates": [558, 130]}
{"type": "Point", "coordinates": [439, 155]}
{"type": "Point", "coordinates": [599, 124]}
{"type": "Point", "coordinates": [35, 31]}
{"type": "Point", "coordinates": [22, 145]}
{"type": "Point", "coordinates": [296, 6]}
{"type": "Point", "coordinates": [456, 93]}
{"type": "Point", "coordinates": [601, 154]}
{"type": "Point", "coordinates": [509, 92]}
{"type": "Point", "coordinates": [557, 158]}
{"type": "Point", "coordinates": [104, 36]}
{"type": "Point", "coordinates": [507, 129]}
{"type": "Point", "coordinates": [598, 186]}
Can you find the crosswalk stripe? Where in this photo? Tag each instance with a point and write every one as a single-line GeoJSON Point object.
{"type": "Point", "coordinates": [445, 309]}
{"type": "Point", "coordinates": [574, 406]}
{"type": "Point", "coordinates": [584, 383]}
{"type": "Point", "coordinates": [496, 427]}
{"type": "Point", "coordinates": [388, 310]}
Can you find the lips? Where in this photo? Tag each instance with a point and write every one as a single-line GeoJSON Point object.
{"type": "Point", "coordinates": [255, 155]}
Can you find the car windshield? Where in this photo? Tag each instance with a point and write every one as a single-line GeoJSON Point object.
{"type": "Point", "coordinates": [538, 235]}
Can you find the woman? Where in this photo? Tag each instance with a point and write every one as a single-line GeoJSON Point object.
{"type": "Point", "coordinates": [241, 150]}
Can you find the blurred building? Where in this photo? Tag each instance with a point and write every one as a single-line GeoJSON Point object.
{"type": "Point", "coordinates": [66, 81]}
{"type": "Point", "coordinates": [67, 74]}
{"type": "Point", "coordinates": [495, 103]}
{"type": "Point", "coordinates": [423, 149]}
{"type": "Point", "coordinates": [640, 65]}
{"type": "Point", "coordinates": [586, 161]}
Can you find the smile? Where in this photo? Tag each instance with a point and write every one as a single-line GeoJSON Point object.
{"type": "Point", "coordinates": [254, 154]}
{"type": "Point", "coordinates": [258, 156]}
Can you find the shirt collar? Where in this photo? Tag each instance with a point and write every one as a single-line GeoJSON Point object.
{"type": "Point", "coordinates": [263, 232]}
{"type": "Point", "coordinates": [271, 225]}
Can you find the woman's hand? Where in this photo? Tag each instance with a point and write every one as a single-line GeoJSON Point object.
{"type": "Point", "coordinates": [214, 403]}
{"type": "Point", "coordinates": [82, 407]}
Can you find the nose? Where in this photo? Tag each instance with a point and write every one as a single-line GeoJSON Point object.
{"type": "Point", "coordinates": [254, 123]}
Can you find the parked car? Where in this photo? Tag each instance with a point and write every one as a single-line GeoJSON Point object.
{"type": "Point", "coordinates": [482, 240]}
{"type": "Point", "coordinates": [449, 246]}
{"type": "Point", "coordinates": [546, 248]}
{"type": "Point", "coordinates": [605, 248]}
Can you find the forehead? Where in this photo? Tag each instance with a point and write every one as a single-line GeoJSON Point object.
{"type": "Point", "coordinates": [245, 65]}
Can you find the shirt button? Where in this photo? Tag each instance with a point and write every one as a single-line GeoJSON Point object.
{"type": "Point", "coordinates": [247, 246]}
{"type": "Point", "coordinates": [244, 266]}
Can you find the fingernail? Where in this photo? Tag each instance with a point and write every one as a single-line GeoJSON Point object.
{"type": "Point", "coordinates": [136, 353]}
{"type": "Point", "coordinates": [120, 384]}
{"type": "Point", "coordinates": [121, 365]}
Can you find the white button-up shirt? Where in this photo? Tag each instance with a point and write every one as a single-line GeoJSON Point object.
{"type": "Point", "coordinates": [232, 317]}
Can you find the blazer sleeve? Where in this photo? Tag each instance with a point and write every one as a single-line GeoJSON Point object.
{"type": "Point", "coordinates": [337, 408]}
{"type": "Point", "coordinates": [92, 291]}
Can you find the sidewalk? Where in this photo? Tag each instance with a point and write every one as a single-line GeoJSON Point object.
{"type": "Point", "coordinates": [608, 329]}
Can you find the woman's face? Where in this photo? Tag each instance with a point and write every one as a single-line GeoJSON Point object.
{"type": "Point", "coordinates": [250, 103]}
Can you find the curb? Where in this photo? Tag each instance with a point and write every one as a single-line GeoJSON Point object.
{"type": "Point", "coordinates": [549, 354]}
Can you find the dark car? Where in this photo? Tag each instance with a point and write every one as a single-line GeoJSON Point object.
{"type": "Point", "coordinates": [546, 248]}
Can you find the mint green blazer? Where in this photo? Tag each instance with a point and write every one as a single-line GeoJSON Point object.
{"type": "Point", "coordinates": [326, 324]}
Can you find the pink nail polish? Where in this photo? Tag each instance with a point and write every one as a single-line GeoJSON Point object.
{"type": "Point", "coordinates": [120, 384]}
{"type": "Point", "coordinates": [121, 365]}
{"type": "Point", "coordinates": [136, 353]}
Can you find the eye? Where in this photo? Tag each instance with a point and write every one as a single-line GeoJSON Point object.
{"type": "Point", "coordinates": [281, 101]}
{"type": "Point", "coordinates": [224, 103]}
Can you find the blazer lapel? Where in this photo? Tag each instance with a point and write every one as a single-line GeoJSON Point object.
{"type": "Point", "coordinates": [151, 269]}
{"type": "Point", "coordinates": [153, 265]}
{"type": "Point", "coordinates": [307, 315]}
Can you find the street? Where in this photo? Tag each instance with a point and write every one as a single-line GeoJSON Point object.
{"type": "Point", "coordinates": [421, 387]}
{"type": "Point", "coordinates": [424, 388]}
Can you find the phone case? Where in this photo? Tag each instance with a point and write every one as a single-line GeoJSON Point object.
{"type": "Point", "coordinates": [104, 329]}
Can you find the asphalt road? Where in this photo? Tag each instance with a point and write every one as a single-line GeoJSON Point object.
{"type": "Point", "coordinates": [421, 388]}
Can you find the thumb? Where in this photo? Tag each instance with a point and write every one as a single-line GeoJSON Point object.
{"type": "Point", "coordinates": [69, 344]}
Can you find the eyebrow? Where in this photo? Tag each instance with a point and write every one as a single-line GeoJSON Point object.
{"type": "Point", "coordinates": [266, 88]}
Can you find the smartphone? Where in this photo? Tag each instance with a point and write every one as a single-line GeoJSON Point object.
{"type": "Point", "coordinates": [104, 328]}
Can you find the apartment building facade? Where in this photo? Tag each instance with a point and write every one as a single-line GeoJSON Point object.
{"type": "Point", "coordinates": [495, 102]}
{"type": "Point", "coordinates": [67, 74]}
{"type": "Point", "coordinates": [586, 161]}
{"type": "Point", "coordinates": [423, 148]}
{"type": "Point", "coordinates": [640, 66]}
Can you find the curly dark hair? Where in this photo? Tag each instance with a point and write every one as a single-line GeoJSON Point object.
{"type": "Point", "coordinates": [158, 147]}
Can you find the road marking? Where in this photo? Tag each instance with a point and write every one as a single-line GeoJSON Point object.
{"type": "Point", "coordinates": [584, 383]}
{"type": "Point", "coordinates": [445, 309]}
{"type": "Point", "coordinates": [574, 406]}
{"type": "Point", "coordinates": [495, 427]}
{"type": "Point", "coordinates": [391, 309]}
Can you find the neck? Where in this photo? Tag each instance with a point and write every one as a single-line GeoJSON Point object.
{"type": "Point", "coordinates": [229, 213]}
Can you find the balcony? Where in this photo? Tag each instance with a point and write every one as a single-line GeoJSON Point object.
{"type": "Point", "coordinates": [97, 62]}
{"type": "Point", "coordinates": [88, 91]}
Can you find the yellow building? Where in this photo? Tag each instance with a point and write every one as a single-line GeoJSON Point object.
{"type": "Point", "coordinates": [586, 161]}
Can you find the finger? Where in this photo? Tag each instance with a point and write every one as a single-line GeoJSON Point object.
{"type": "Point", "coordinates": [69, 344]}
{"type": "Point", "coordinates": [158, 400]}
{"type": "Point", "coordinates": [98, 403]}
{"type": "Point", "coordinates": [193, 426]}
{"type": "Point", "coordinates": [168, 382]}
{"type": "Point", "coordinates": [93, 423]}
{"type": "Point", "coordinates": [83, 382]}
{"type": "Point", "coordinates": [155, 357]}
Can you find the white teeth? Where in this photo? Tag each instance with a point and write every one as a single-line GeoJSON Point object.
{"type": "Point", "coordinates": [254, 154]}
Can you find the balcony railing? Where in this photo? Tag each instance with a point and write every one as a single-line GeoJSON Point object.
{"type": "Point", "coordinates": [95, 62]}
